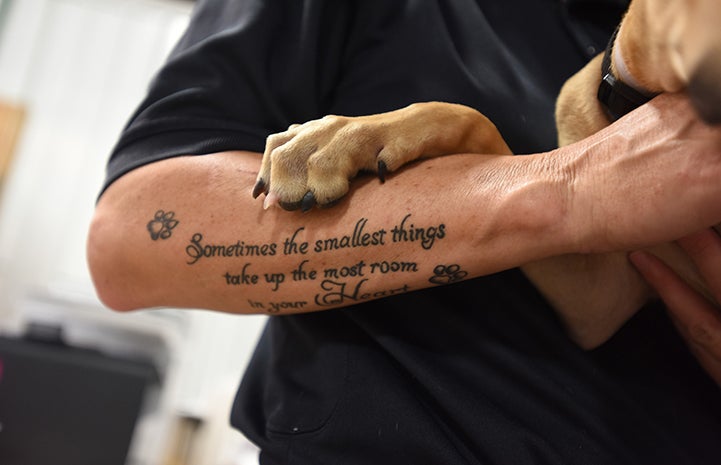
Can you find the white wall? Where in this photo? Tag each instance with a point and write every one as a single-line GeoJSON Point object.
{"type": "Point", "coordinates": [80, 67]}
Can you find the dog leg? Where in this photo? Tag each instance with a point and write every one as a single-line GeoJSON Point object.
{"type": "Point", "coordinates": [313, 163]}
{"type": "Point", "coordinates": [578, 113]}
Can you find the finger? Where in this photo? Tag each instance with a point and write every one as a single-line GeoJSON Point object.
{"type": "Point", "coordinates": [704, 249]}
{"type": "Point", "coordinates": [697, 319]}
{"type": "Point", "coordinates": [710, 363]}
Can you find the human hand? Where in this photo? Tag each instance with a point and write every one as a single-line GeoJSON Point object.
{"type": "Point", "coordinates": [651, 177]}
{"type": "Point", "coordinates": [697, 319]}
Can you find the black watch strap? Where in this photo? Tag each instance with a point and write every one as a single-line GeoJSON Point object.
{"type": "Point", "coordinates": [615, 96]}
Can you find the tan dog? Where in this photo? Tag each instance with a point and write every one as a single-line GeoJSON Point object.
{"type": "Point", "coordinates": [662, 46]}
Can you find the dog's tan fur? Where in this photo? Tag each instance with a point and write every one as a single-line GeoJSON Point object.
{"type": "Point", "coordinates": [663, 44]}
{"type": "Point", "coordinates": [307, 157]}
{"type": "Point", "coordinates": [666, 45]}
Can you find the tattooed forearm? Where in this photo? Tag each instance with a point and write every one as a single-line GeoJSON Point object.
{"type": "Point", "coordinates": [269, 266]}
{"type": "Point", "coordinates": [275, 307]}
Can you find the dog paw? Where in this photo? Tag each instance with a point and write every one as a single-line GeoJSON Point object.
{"type": "Point", "coordinates": [312, 164]}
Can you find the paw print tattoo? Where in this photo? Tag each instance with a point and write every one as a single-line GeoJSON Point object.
{"type": "Point", "coordinates": [446, 274]}
{"type": "Point", "coordinates": [162, 225]}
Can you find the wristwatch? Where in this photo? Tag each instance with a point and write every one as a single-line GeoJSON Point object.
{"type": "Point", "coordinates": [616, 97]}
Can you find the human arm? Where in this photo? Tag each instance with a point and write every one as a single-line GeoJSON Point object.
{"type": "Point", "coordinates": [697, 319]}
{"type": "Point", "coordinates": [606, 193]}
{"type": "Point", "coordinates": [209, 196]}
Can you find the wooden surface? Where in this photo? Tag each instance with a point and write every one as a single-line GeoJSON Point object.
{"type": "Point", "coordinates": [11, 119]}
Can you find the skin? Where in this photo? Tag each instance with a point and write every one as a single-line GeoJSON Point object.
{"type": "Point", "coordinates": [697, 319]}
{"type": "Point", "coordinates": [664, 45]}
{"type": "Point", "coordinates": [668, 45]}
{"type": "Point", "coordinates": [496, 212]}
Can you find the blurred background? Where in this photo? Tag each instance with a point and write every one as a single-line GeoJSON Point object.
{"type": "Point", "coordinates": [80, 383]}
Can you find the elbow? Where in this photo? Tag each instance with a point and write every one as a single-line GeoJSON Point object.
{"type": "Point", "coordinates": [109, 267]}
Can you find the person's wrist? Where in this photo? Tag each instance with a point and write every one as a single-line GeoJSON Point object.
{"type": "Point", "coordinates": [573, 186]}
{"type": "Point", "coordinates": [552, 203]}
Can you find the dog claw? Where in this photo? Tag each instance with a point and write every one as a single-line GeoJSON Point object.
{"type": "Point", "coordinates": [382, 170]}
{"type": "Point", "coordinates": [271, 199]}
{"type": "Point", "coordinates": [329, 204]}
{"type": "Point", "coordinates": [259, 188]}
{"type": "Point", "coordinates": [290, 206]}
{"type": "Point", "coordinates": [308, 202]}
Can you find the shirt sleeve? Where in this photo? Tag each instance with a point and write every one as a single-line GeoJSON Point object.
{"type": "Point", "coordinates": [245, 69]}
{"type": "Point", "coordinates": [242, 70]}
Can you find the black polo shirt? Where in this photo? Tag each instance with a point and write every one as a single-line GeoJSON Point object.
{"type": "Point", "coordinates": [477, 372]}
